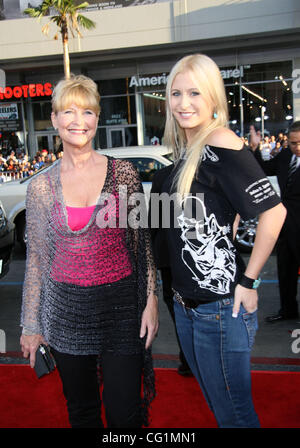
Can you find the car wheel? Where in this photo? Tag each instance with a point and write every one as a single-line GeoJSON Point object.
{"type": "Point", "coordinates": [21, 232]}
{"type": "Point", "coordinates": [245, 235]}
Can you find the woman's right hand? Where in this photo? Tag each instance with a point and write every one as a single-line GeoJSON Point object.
{"type": "Point", "coordinates": [29, 345]}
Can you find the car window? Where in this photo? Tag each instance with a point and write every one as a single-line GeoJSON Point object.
{"type": "Point", "coordinates": [169, 156]}
{"type": "Point", "coordinates": [146, 167]}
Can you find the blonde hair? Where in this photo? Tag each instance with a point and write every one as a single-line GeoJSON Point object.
{"type": "Point", "coordinates": [78, 89]}
{"type": "Point", "coordinates": [211, 86]}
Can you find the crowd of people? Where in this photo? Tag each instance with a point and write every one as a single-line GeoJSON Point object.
{"type": "Point", "coordinates": [271, 146]}
{"type": "Point", "coordinates": [17, 165]}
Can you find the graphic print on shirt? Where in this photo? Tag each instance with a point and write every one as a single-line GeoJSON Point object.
{"type": "Point", "coordinates": [208, 252]}
{"type": "Point", "coordinates": [209, 154]}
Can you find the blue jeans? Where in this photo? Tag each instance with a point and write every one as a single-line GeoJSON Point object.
{"type": "Point", "coordinates": [217, 348]}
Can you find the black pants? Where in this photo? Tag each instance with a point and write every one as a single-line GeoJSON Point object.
{"type": "Point", "coordinates": [121, 389]}
{"type": "Point", "coordinates": [287, 266]}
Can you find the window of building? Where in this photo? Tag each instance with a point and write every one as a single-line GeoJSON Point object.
{"type": "Point", "coordinates": [42, 115]}
{"type": "Point", "coordinates": [115, 87]}
{"type": "Point", "coordinates": [262, 96]}
{"type": "Point", "coordinates": [119, 110]}
{"type": "Point", "coordinates": [154, 109]}
{"type": "Point", "coordinates": [115, 136]}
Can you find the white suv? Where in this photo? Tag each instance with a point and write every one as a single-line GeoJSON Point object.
{"type": "Point", "coordinates": [147, 160]}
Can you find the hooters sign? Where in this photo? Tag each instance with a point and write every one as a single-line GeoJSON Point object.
{"type": "Point", "coordinates": [26, 90]}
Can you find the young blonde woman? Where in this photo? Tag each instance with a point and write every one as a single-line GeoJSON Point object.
{"type": "Point", "coordinates": [89, 289]}
{"type": "Point", "coordinates": [216, 179]}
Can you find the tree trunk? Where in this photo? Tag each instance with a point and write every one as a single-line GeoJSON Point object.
{"type": "Point", "coordinates": [65, 41]}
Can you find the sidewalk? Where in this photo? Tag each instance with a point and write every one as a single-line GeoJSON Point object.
{"type": "Point", "coordinates": [275, 344]}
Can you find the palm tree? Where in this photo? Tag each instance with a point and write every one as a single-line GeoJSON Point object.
{"type": "Point", "coordinates": [68, 19]}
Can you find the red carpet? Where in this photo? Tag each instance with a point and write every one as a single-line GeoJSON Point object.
{"type": "Point", "coordinates": [26, 402]}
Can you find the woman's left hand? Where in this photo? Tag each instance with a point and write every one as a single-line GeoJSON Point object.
{"type": "Point", "coordinates": [245, 296]}
{"type": "Point", "coordinates": [150, 321]}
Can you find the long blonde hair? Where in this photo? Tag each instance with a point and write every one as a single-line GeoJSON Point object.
{"type": "Point", "coordinates": [211, 86]}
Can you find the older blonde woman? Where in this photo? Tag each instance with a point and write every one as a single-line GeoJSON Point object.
{"type": "Point", "coordinates": [89, 289]}
{"type": "Point", "coordinates": [216, 178]}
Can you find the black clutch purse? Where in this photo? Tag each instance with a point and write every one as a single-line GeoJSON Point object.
{"type": "Point", "coordinates": [44, 361]}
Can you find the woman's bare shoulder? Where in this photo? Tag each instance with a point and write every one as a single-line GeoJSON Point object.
{"type": "Point", "coordinates": [99, 159]}
{"type": "Point", "coordinates": [225, 138]}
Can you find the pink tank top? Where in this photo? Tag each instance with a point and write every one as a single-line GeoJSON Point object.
{"type": "Point", "coordinates": [94, 256]}
{"type": "Point", "coordinates": [78, 217]}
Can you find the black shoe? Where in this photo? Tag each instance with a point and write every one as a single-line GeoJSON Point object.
{"type": "Point", "coordinates": [184, 370]}
{"type": "Point", "coordinates": [279, 317]}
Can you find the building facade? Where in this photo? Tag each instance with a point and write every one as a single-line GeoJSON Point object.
{"type": "Point", "coordinates": [256, 44]}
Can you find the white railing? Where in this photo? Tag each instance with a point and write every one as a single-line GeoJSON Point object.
{"type": "Point", "coordinates": [10, 175]}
